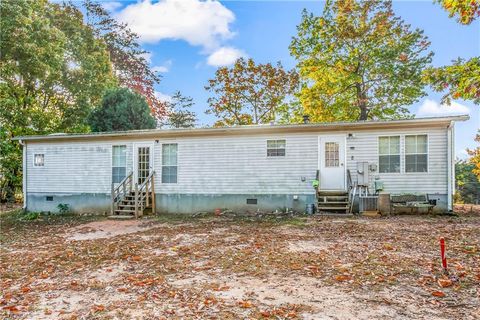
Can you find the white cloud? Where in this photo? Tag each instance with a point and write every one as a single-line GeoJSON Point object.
{"type": "Point", "coordinates": [200, 23]}
{"type": "Point", "coordinates": [163, 96]}
{"type": "Point", "coordinates": [163, 68]}
{"type": "Point", "coordinates": [147, 56]}
{"type": "Point", "coordinates": [225, 56]}
{"type": "Point", "coordinates": [111, 5]}
{"type": "Point", "coordinates": [433, 108]}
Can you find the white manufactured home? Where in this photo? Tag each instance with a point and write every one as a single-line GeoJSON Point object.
{"type": "Point", "coordinates": [243, 168]}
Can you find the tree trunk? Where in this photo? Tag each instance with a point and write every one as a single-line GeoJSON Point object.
{"type": "Point", "coordinates": [361, 102]}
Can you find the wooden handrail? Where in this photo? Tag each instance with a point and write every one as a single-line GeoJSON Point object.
{"type": "Point", "coordinates": [142, 192]}
{"type": "Point", "coordinates": [116, 192]}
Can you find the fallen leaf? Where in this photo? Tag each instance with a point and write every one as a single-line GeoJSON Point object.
{"type": "Point", "coordinates": [437, 293]}
{"type": "Point", "coordinates": [245, 304]}
{"type": "Point", "coordinates": [444, 283]}
{"type": "Point", "coordinates": [98, 308]}
{"type": "Point", "coordinates": [342, 277]}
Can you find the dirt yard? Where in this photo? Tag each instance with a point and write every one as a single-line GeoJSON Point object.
{"type": "Point", "coordinates": [236, 268]}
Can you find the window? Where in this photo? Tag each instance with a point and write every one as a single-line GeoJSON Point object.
{"type": "Point", "coordinates": [416, 153]}
{"type": "Point", "coordinates": [276, 148]}
{"type": "Point", "coordinates": [332, 157]}
{"type": "Point", "coordinates": [169, 163]}
{"type": "Point", "coordinates": [119, 163]}
{"type": "Point", "coordinates": [389, 154]}
{"type": "Point", "coordinates": [39, 160]}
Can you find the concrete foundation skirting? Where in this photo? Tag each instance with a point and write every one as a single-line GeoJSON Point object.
{"type": "Point", "coordinates": [173, 203]}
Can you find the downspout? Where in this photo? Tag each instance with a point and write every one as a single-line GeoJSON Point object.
{"type": "Point", "coordinates": [450, 165]}
{"type": "Point", "coordinates": [24, 172]}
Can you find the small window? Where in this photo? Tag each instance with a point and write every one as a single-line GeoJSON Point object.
{"type": "Point", "coordinates": [332, 154]}
{"type": "Point", "coordinates": [416, 154]}
{"type": "Point", "coordinates": [169, 163]}
{"type": "Point", "coordinates": [389, 154]}
{"type": "Point", "coordinates": [119, 163]}
{"type": "Point", "coordinates": [39, 160]}
{"type": "Point", "coordinates": [276, 148]}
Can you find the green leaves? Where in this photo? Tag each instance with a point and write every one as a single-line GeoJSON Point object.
{"type": "Point", "coordinates": [359, 61]}
{"type": "Point", "coordinates": [121, 110]}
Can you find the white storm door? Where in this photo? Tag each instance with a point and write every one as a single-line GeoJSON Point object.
{"type": "Point", "coordinates": [143, 161]}
{"type": "Point", "coordinates": [332, 162]}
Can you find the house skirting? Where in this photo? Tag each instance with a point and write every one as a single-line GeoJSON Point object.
{"type": "Point", "coordinates": [173, 203]}
{"type": "Point", "coordinates": [99, 203]}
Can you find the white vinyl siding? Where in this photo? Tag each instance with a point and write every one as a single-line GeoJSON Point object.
{"type": "Point", "coordinates": [230, 164]}
{"type": "Point", "coordinates": [365, 148]}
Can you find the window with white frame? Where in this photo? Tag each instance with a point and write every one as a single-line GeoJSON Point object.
{"type": "Point", "coordinates": [119, 163]}
{"type": "Point", "coordinates": [389, 154]}
{"type": "Point", "coordinates": [169, 163]}
{"type": "Point", "coordinates": [39, 160]}
{"type": "Point", "coordinates": [276, 148]}
{"type": "Point", "coordinates": [416, 153]}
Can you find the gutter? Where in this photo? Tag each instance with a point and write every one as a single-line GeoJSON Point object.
{"type": "Point", "coordinates": [254, 129]}
{"type": "Point", "coordinates": [24, 172]}
{"type": "Point", "coordinates": [450, 165]}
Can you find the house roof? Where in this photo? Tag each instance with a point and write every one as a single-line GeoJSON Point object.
{"type": "Point", "coordinates": [253, 129]}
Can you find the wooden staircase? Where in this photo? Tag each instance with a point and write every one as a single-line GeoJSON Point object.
{"type": "Point", "coordinates": [332, 202]}
{"type": "Point", "coordinates": [133, 200]}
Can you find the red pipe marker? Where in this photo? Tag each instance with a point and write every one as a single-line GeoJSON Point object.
{"type": "Point", "coordinates": [442, 253]}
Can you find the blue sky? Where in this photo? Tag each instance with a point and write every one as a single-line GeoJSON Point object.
{"type": "Point", "coordinates": [189, 39]}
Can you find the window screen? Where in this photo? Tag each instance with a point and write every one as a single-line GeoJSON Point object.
{"type": "Point", "coordinates": [389, 154]}
{"type": "Point", "coordinates": [416, 154]}
{"type": "Point", "coordinates": [276, 148]}
{"type": "Point", "coordinates": [169, 163]}
{"type": "Point", "coordinates": [119, 163]}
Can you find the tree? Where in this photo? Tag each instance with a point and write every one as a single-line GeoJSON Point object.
{"type": "Point", "coordinates": [465, 10]}
{"type": "Point", "coordinates": [249, 93]}
{"type": "Point", "coordinates": [462, 78]}
{"type": "Point", "coordinates": [127, 56]}
{"type": "Point", "coordinates": [52, 70]}
{"type": "Point", "coordinates": [359, 61]}
{"type": "Point", "coordinates": [467, 184]}
{"type": "Point", "coordinates": [179, 114]}
{"type": "Point", "coordinates": [121, 110]}
{"type": "Point", "coordinates": [475, 157]}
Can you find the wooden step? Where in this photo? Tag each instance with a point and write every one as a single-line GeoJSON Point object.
{"type": "Point", "coordinates": [320, 208]}
{"type": "Point", "coordinates": [121, 217]}
{"type": "Point", "coordinates": [125, 210]}
{"type": "Point", "coordinates": [333, 202]}
{"type": "Point", "coordinates": [332, 193]}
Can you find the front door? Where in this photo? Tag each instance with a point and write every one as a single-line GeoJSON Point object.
{"type": "Point", "coordinates": [332, 162]}
{"type": "Point", "coordinates": [143, 164]}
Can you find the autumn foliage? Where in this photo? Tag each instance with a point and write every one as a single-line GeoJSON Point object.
{"type": "Point", "coordinates": [359, 61]}
{"type": "Point", "coordinates": [249, 93]}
